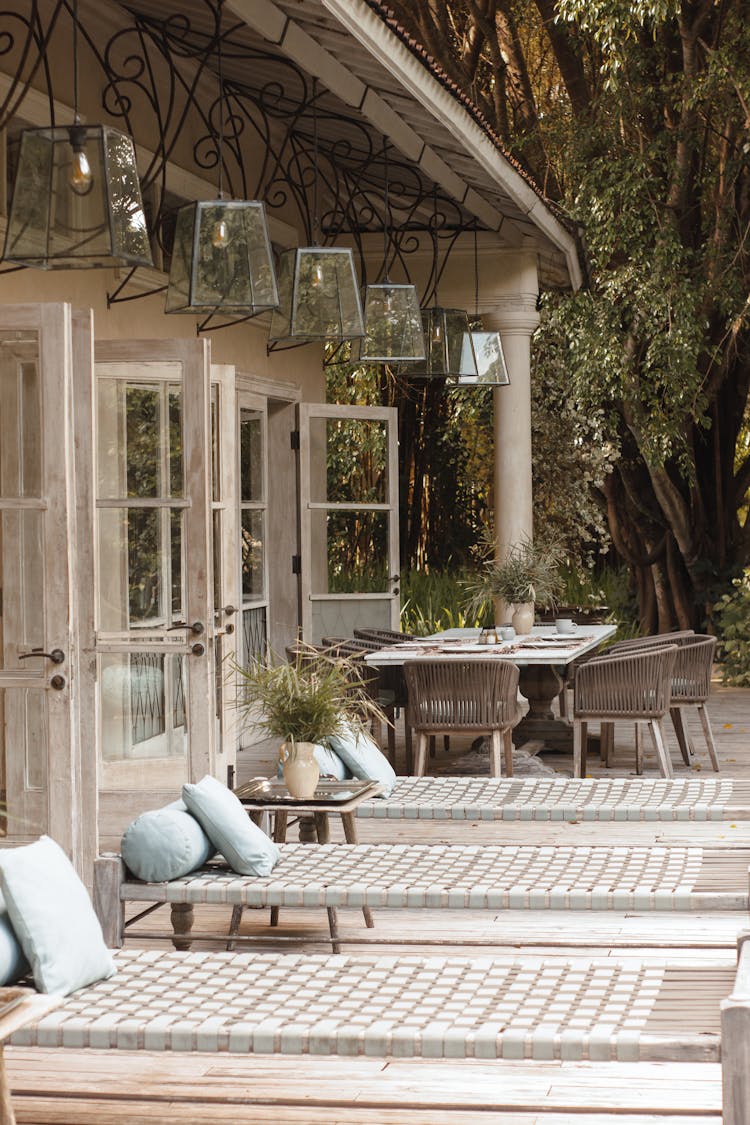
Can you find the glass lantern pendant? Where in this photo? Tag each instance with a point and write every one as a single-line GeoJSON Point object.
{"type": "Point", "coordinates": [449, 346]}
{"type": "Point", "coordinates": [393, 324]}
{"type": "Point", "coordinates": [222, 260]}
{"type": "Point", "coordinates": [318, 296]}
{"type": "Point", "coordinates": [490, 360]}
{"type": "Point", "coordinates": [77, 201]}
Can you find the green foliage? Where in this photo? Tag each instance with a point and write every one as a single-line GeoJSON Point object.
{"type": "Point", "coordinates": [732, 613]}
{"type": "Point", "coordinates": [433, 600]}
{"type": "Point", "coordinates": [304, 701]}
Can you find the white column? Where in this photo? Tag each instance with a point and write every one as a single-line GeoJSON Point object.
{"type": "Point", "coordinates": [515, 318]}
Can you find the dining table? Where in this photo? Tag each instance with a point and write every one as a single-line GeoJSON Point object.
{"type": "Point", "coordinates": [542, 657]}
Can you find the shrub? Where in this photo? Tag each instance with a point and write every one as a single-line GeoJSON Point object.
{"type": "Point", "coordinates": [732, 613]}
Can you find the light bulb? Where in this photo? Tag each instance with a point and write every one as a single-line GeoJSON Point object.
{"type": "Point", "coordinates": [317, 275]}
{"type": "Point", "coordinates": [220, 234]}
{"type": "Point", "coordinates": [80, 172]}
{"type": "Point", "coordinates": [388, 302]}
{"type": "Point", "coordinates": [437, 331]}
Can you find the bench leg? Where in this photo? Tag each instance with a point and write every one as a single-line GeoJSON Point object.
{"type": "Point", "coordinates": [182, 924]}
{"type": "Point", "coordinates": [350, 835]}
{"type": "Point", "coordinates": [333, 929]}
{"type": "Point", "coordinates": [109, 875]}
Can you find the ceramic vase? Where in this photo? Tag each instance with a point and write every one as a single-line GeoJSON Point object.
{"type": "Point", "coordinates": [523, 618]}
{"type": "Point", "coordinates": [300, 769]}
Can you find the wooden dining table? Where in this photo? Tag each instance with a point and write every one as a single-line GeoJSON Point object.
{"type": "Point", "coordinates": [542, 657]}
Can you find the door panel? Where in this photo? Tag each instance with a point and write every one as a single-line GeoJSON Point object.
{"type": "Point", "coordinates": [39, 744]}
{"type": "Point", "coordinates": [349, 502]}
{"type": "Point", "coordinates": [154, 612]}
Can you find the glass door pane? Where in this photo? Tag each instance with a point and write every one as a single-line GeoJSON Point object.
{"type": "Point", "coordinates": [38, 740]}
{"type": "Point", "coordinates": [349, 499]}
{"type": "Point", "coordinates": [154, 635]}
{"type": "Point", "coordinates": [253, 502]}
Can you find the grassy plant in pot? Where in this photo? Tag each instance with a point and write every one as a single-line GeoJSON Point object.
{"type": "Point", "coordinates": [528, 575]}
{"type": "Point", "coordinates": [301, 703]}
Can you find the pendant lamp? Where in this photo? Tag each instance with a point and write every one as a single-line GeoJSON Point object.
{"type": "Point", "coordinates": [318, 290]}
{"type": "Point", "coordinates": [488, 347]}
{"type": "Point", "coordinates": [490, 361]}
{"type": "Point", "coordinates": [221, 256]}
{"type": "Point", "coordinates": [318, 296]}
{"type": "Point", "coordinates": [76, 197]}
{"type": "Point", "coordinates": [448, 344]}
{"type": "Point", "coordinates": [393, 324]}
{"type": "Point", "coordinates": [221, 259]}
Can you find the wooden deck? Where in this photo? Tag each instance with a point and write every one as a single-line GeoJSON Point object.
{"type": "Point", "coordinates": [80, 1087]}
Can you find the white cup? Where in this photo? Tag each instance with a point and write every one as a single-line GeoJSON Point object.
{"type": "Point", "coordinates": [507, 632]}
{"type": "Point", "coordinates": [565, 625]}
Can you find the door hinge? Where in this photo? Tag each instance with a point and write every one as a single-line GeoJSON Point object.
{"type": "Point", "coordinates": [294, 435]}
{"type": "Point", "coordinates": [296, 564]}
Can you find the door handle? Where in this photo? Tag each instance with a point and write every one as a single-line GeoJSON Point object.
{"type": "Point", "coordinates": [197, 627]}
{"type": "Point", "coordinates": [57, 656]}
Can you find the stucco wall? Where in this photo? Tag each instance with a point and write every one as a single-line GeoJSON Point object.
{"type": "Point", "coordinates": [243, 345]}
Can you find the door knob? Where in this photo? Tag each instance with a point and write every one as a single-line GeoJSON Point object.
{"type": "Point", "coordinates": [57, 656]}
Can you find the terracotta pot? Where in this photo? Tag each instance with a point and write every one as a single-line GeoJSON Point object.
{"type": "Point", "coordinates": [301, 770]}
{"type": "Point", "coordinates": [523, 618]}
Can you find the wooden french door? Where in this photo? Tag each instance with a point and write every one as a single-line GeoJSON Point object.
{"type": "Point", "coordinates": [154, 619]}
{"type": "Point", "coordinates": [349, 505]}
{"type": "Point", "coordinates": [45, 787]}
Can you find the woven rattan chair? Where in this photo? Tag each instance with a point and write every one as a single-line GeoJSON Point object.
{"type": "Point", "coordinates": [691, 685]}
{"type": "Point", "coordinates": [382, 637]}
{"type": "Point", "coordinates": [632, 644]}
{"type": "Point", "coordinates": [635, 686]}
{"type": "Point", "coordinates": [463, 697]}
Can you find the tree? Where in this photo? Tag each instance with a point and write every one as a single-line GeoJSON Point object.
{"type": "Point", "coordinates": [634, 115]}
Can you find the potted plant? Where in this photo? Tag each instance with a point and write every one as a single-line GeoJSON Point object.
{"type": "Point", "coordinates": [529, 574]}
{"type": "Point", "coordinates": [302, 702]}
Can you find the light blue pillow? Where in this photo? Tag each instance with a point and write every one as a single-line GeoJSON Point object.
{"type": "Point", "coordinates": [54, 920]}
{"type": "Point", "coordinates": [245, 847]}
{"type": "Point", "coordinates": [164, 844]}
{"type": "Point", "coordinates": [363, 757]}
{"type": "Point", "coordinates": [329, 762]}
{"type": "Point", "coordinates": [13, 964]}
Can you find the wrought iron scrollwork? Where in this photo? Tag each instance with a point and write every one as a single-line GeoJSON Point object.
{"type": "Point", "coordinates": [280, 133]}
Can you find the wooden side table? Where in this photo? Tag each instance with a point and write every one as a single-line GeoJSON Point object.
{"type": "Point", "coordinates": [340, 798]}
{"type": "Point", "coordinates": [18, 1006]}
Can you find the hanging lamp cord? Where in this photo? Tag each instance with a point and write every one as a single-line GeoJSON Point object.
{"type": "Point", "coordinates": [76, 115]}
{"type": "Point", "coordinates": [316, 203]}
{"type": "Point", "coordinates": [386, 213]}
{"type": "Point", "coordinates": [220, 69]}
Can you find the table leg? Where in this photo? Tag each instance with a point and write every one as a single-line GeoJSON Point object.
{"type": "Point", "coordinates": [541, 684]}
{"type": "Point", "coordinates": [350, 835]}
{"type": "Point", "coordinates": [321, 828]}
{"type": "Point", "coordinates": [7, 1116]}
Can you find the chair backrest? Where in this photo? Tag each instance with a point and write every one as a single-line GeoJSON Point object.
{"type": "Point", "coordinates": [384, 637]}
{"type": "Point", "coordinates": [463, 695]}
{"type": "Point", "coordinates": [628, 685]}
{"type": "Point", "coordinates": [352, 643]}
{"type": "Point", "coordinates": [679, 636]}
{"type": "Point", "coordinates": [691, 678]}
